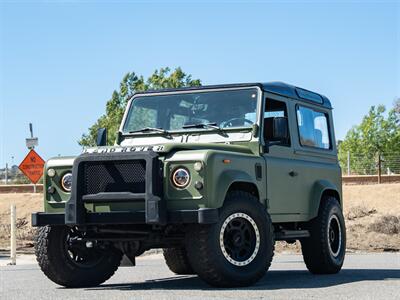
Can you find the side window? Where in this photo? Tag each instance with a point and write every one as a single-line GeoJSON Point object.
{"type": "Point", "coordinates": [273, 109]}
{"type": "Point", "coordinates": [313, 128]}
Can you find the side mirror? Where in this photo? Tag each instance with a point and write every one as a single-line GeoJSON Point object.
{"type": "Point", "coordinates": [276, 132]}
{"type": "Point", "coordinates": [280, 130]}
{"type": "Point", "coordinates": [101, 137]}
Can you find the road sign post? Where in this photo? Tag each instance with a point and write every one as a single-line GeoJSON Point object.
{"type": "Point", "coordinates": [6, 174]}
{"type": "Point", "coordinates": [13, 239]}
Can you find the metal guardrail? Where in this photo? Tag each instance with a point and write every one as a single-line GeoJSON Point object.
{"type": "Point", "coordinates": [370, 179]}
{"type": "Point", "coordinates": [20, 188]}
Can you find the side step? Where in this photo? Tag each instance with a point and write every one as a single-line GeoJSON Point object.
{"type": "Point", "coordinates": [291, 235]}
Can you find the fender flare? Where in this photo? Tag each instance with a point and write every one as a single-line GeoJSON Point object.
{"type": "Point", "coordinates": [319, 188]}
{"type": "Point", "coordinates": [225, 181]}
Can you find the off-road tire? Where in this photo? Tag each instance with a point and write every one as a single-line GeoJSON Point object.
{"type": "Point", "coordinates": [52, 257]}
{"type": "Point", "coordinates": [205, 252]}
{"type": "Point", "coordinates": [177, 261]}
{"type": "Point", "coordinates": [316, 249]}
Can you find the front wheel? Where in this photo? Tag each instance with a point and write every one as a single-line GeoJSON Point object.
{"type": "Point", "coordinates": [66, 260]}
{"type": "Point", "coordinates": [236, 251]}
{"type": "Point", "coordinates": [324, 250]}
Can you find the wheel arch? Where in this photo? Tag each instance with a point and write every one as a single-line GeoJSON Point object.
{"type": "Point", "coordinates": [321, 189]}
{"type": "Point", "coordinates": [236, 180]}
{"type": "Point", "coordinates": [246, 186]}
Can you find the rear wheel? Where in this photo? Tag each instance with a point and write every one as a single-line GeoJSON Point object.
{"type": "Point", "coordinates": [66, 260]}
{"type": "Point", "coordinates": [324, 250]}
{"type": "Point", "coordinates": [236, 251]}
{"type": "Point", "coordinates": [177, 261]}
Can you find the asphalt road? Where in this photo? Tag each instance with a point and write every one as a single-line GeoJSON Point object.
{"type": "Point", "coordinates": [364, 276]}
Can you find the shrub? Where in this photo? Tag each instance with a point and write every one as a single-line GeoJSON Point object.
{"type": "Point", "coordinates": [359, 212]}
{"type": "Point", "coordinates": [387, 224]}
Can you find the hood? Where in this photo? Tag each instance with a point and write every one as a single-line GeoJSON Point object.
{"type": "Point", "coordinates": [162, 149]}
{"type": "Point", "coordinates": [60, 161]}
{"type": "Point", "coordinates": [170, 147]}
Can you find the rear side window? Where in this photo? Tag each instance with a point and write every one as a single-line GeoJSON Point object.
{"type": "Point", "coordinates": [313, 128]}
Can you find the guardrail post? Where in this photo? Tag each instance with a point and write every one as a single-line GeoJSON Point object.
{"type": "Point", "coordinates": [13, 254]}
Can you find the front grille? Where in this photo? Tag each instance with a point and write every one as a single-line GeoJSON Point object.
{"type": "Point", "coordinates": [114, 176]}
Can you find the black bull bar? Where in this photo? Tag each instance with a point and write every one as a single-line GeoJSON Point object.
{"type": "Point", "coordinates": [155, 204]}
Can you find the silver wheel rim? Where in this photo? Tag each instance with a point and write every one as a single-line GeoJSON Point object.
{"type": "Point", "coordinates": [255, 236]}
{"type": "Point", "coordinates": [334, 236]}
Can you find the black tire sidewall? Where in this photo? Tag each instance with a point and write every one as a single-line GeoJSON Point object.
{"type": "Point", "coordinates": [55, 262]}
{"type": "Point", "coordinates": [241, 273]}
{"type": "Point", "coordinates": [316, 248]}
{"type": "Point", "coordinates": [334, 209]}
{"type": "Point", "coordinates": [58, 248]}
{"type": "Point", "coordinates": [177, 261]}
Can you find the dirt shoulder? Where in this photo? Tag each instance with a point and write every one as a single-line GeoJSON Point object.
{"type": "Point", "coordinates": [26, 203]}
{"type": "Point", "coordinates": [372, 215]}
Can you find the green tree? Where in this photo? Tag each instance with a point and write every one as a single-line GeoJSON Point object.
{"type": "Point", "coordinates": [130, 84]}
{"type": "Point", "coordinates": [378, 134]}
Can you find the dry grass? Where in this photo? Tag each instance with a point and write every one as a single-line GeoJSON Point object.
{"type": "Point", "coordinates": [26, 204]}
{"type": "Point", "coordinates": [369, 211]}
{"type": "Point", "coordinates": [385, 198]}
{"type": "Point", "coordinates": [372, 215]}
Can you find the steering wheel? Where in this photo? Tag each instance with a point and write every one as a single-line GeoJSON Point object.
{"type": "Point", "coordinates": [229, 123]}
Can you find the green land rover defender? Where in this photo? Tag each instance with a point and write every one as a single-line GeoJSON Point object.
{"type": "Point", "coordinates": [214, 175]}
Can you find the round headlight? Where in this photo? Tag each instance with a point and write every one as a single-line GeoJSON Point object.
{"type": "Point", "coordinates": [51, 172]}
{"type": "Point", "coordinates": [180, 177]}
{"type": "Point", "coordinates": [66, 182]}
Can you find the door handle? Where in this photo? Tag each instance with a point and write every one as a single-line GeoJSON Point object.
{"type": "Point", "coordinates": [293, 173]}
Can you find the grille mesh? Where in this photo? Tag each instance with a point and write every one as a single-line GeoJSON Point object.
{"type": "Point", "coordinates": [114, 176]}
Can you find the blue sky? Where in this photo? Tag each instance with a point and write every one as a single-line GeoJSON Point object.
{"type": "Point", "coordinates": [61, 60]}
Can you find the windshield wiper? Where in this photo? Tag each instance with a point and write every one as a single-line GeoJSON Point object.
{"type": "Point", "coordinates": [202, 125]}
{"type": "Point", "coordinates": [206, 125]}
{"type": "Point", "coordinates": [149, 129]}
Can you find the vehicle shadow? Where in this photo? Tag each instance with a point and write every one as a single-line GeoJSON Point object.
{"type": "Point", "coordinates": [274, 280]}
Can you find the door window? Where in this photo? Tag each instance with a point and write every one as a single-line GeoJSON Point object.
{"type": "Point", "coordinates": [273, 109]}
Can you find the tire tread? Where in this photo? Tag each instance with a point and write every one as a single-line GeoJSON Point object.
{"type": "Point", "coordinates": [59, 270]}
{"type": "Point", "coordinates": [177, 261]}
{"type": "Point", "coordinates": [315, 252]}
{"type": "Point", "coordinates": [200, 254]}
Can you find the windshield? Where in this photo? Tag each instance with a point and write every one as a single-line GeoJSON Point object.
{"type": "Point", "coordinates": [224, 109]}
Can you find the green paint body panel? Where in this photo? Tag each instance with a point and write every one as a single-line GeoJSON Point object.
{"type": "Point", "coordinates": [287, 198]}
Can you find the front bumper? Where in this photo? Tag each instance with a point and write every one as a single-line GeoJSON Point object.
{"type": "Point", "coordinates": [200, 216]}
